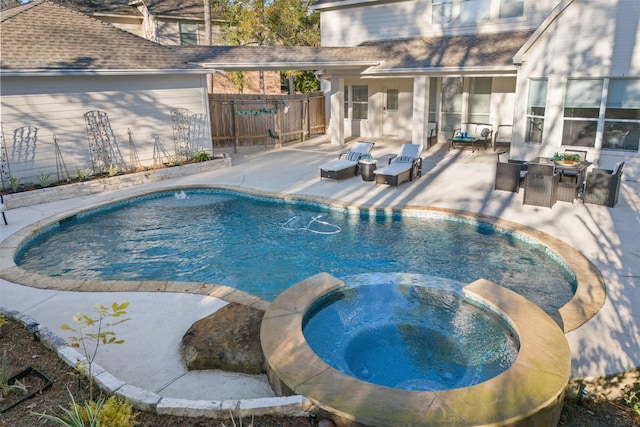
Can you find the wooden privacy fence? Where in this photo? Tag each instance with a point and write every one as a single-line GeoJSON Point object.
{"type": "Point", "coordinates": [249, 120]}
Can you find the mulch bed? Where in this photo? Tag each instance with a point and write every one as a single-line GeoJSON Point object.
{"type": "Point", "coordinates": [23, 351]}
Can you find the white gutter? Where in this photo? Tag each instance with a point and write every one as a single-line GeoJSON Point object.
{"type": "Point", "coordinates": [311, 65]}
{"type": "Point", "coordinates": [506, 69]}
{"type": "Point", "coordinates": [343, 3]}
{"type": "Point", "coordinates": [553, 15]}
{"type": "Point", "coordinates": [55, 73]}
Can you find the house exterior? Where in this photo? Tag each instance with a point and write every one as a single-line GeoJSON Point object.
{"type": "Point", "coordinates": [563, 73]}
{"type": "Point", "coordinates": [172, 23]}
{"type": "Point", "coordinates": [168, 22]}
{"type": "Point", "coordinates": [50, 80]}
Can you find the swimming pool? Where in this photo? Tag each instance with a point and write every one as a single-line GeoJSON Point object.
{"type": "Point", "coordinates": [263, 245]}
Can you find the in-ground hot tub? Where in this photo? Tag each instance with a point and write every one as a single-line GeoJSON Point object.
{"type": "Point", "coordinates": [409, 331]}
{"type": "Point", "coordinates": [530, 390]}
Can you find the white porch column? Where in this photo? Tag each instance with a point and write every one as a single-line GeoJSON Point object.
{"type": "Point", "coordinates": [420, 110]}
{"type": "Point", "coordinates": [336, 120]}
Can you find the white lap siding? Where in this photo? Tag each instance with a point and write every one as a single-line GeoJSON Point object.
{"type": "Point", "coordinates": [56, 106]}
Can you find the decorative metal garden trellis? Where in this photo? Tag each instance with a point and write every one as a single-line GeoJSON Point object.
{"type": "Point", "coordinates": [25, 140]}
{"type": "Point", "coordinates": [198, 131]}
{"type": "Point", "coordinates": [105, 154]}
{"type": "Point", "coordinates": [61, 167]}
{"type": "Point", "coordinates": [5, 172]}
{"type": "Point", "coordinates": [181, 132]}
{"type": "Point", "coordinates": [134, 160]}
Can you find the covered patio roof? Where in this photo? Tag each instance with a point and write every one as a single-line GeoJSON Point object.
{"type": "Point", "coordinates": [461, 53]}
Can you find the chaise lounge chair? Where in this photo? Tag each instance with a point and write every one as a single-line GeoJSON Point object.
{"type": "Point", "coordinates": [403, 167]}
{"type": "Point", "coordinates": [347, 163]}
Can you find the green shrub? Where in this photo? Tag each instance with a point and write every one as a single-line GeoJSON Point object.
{"type": "Point", "coordinates": [201, 156]}
{"type": "Point", "coordinates": [117, 412]}
{"type": "Point", "coordinates": [631, 396]}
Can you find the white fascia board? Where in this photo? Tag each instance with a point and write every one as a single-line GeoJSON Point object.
{"type": "Point", "coordinates": [343, 3]}
{"type": "Point", "coordinates": [53, 73]}
{"type": "Point", "coordinates": [503, 70]}
{"type": "Point", "coordinates": [290, 65]}
{"type": "Point", "coordinates": [116, 15]}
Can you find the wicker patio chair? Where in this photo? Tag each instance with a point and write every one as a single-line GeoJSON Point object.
{"type": "Point", "coordinates": [541, 185]}
{"type": "Point", "coordinates": [603, 186]}
{"type": "Point", "coordinates": [3, 208]}
{"type": "Point", "coordinates": [503, 136]}
{"type": "Point", "coordinates": [509, 174]}
{"type": "Point", "coordinates": [432, 134]}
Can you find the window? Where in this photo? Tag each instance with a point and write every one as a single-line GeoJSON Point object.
{"type": "Point", "coordinates": [360, 102]}
{"type": "Point", "coordinates": [441, 11]}
{"type": "Point", "coordinates": [474, 10]}
{"type": "Point", "coordinates": [451, 103]}
{"type": "Point", "coordinates": [346, 101]}
{"type": "Point", "coordinates": [622, 117]}
{"type": "Point", "coordinates": [619, 123]}
{"type": "Point", "coordinates": [480, 100]}
{"type": "Point", "coordinates": [581, 111]}
{"type": "Point", "coordinates": [535, 110]}
{"type": "Point", "coordinates": [188, 33]}
{"type": "Point", "coordinates": [392, 99]}
{"type": "Point", "coordinates": [511, 8]}
{"type": "Point", "coordinates": [433, 98]}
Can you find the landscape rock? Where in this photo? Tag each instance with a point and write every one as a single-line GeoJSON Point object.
{"type": "Point", "coordinates": [228, 339]}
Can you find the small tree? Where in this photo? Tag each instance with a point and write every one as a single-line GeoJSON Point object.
{"type": "Point", "coordinates": [91, 333]}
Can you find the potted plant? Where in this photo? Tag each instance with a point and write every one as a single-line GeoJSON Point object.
{"type": "Point", "coordinates": [567, 158]}
{"type": "Point", "coordinates": [571, 158]}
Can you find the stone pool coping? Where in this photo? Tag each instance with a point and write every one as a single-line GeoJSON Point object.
{"type": "Point", "coordinates": [587, 301]}
{"type": "Point", "coordinates": [589, 297]}
{"type": "Point", "coordinates": [530, 392]}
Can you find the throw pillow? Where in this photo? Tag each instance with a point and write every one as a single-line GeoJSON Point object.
{"type": "Point", "coordinates": [353, 156]}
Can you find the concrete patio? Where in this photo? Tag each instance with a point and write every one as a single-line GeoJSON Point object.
{"type": "Point", "coordinates": [456, 179]}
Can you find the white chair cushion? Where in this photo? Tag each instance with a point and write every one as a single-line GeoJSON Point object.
{"type": "Point", "coordinates": [395, 168]}
{"type": "Point", "coordinates": [337, 165]}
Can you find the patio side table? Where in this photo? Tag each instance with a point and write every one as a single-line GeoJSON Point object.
{"type": "Point", "coordinates": [366, 169]}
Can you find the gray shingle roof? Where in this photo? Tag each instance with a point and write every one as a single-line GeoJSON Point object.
{"type": "Point", "coordinates": [280, 57]}
{"type": "Point", "coordinates": [190, 9]}
{"type": "Point", "coordinates": [485, 51]}
{"type": "Point", "coordinates": [89, 7]}
{"type": "Point", "coordinates": [43, 35]}
{"type": "Point", "coordinates": [493, 50]}
{"type": "Point", "coordinates": [177, 8]}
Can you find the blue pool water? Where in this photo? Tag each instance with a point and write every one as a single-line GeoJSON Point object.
{"type": "Point", "coordinates": [263, 246]}
{"type": "Point", "coordinates": [395, 331]}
